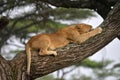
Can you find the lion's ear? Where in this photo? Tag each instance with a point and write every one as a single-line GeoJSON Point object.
{"type": "Point", "coordinates": [76, 26]}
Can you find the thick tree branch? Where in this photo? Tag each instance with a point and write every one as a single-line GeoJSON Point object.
{"type": "Point", "coordinates": [79, 3]}
{"type": "Point", "coordinates": [3, 22]}
{"type": "Point", "coordinates": [71, 54]}
{"type": "Point", "coordinates": [5, 69]}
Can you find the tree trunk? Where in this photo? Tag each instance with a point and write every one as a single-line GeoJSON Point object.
{"type": "Point", "coordinates": [13, 70]}
{"type": "Point", "coordinates": [67, 56]}
{"type": "Point", "coordinates": [5, 70]}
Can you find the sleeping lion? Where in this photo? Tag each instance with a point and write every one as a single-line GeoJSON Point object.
{"type": "Point", "coordinates": [46, 43]}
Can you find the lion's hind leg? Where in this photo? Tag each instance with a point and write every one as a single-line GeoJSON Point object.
{"type": "Point", "coordinates": [47, 52]}
{"type": "Point", "coordinates": [44, 49]}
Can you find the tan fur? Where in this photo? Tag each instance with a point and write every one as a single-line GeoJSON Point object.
{"type": "Point", "coordinates": [46, 43]}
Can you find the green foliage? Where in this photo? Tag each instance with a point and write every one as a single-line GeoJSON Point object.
{"type": "Point", "coordinates": [117, 65]}
{"type": "Point", "coordinates": [72, 13]}
{"type": "Point", "coordinates": [53, 26]}
{"type": "Point", "coordinates": [93, 64]}
{"type": "Point", "coordinates": [80, 77]}
{"type": "Point", "coordinates": [103, 73]}
{"type": "Point", "coordinates": [23, 25]}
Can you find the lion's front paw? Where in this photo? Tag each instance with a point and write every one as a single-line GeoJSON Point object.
{"type": "Point", "coordinates": [99, 29]}
{"type": "Point", "coordinates": [53, 53]}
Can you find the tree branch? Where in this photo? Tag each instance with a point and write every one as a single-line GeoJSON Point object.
{"type": "Point", "coordinates": [4, 67]}
{"type": "Point", "coordinates": [79, 3]}
{"type": "Point", "coordinates": [118, 36]}
{"type": "Point", "coordinates": [73, 53]}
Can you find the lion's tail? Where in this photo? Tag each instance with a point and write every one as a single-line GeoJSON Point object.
{"type": "Point", "coordinates": [28, 52]}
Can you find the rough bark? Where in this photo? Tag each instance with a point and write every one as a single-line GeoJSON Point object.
{"type": "Point", "coordinates": [5, 70]}
{"type": "Point", "coordinates": [69, 55]}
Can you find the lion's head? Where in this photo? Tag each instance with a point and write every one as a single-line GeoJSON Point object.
{"type": "Point", "coordinates": [83, 28]}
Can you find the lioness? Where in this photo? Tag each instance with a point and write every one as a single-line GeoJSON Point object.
{"type": "Point", "coordinates": [46, 43]}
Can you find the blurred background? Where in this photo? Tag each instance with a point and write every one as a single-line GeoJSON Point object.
{"type": "Point", "coordinates": [28, 18]}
